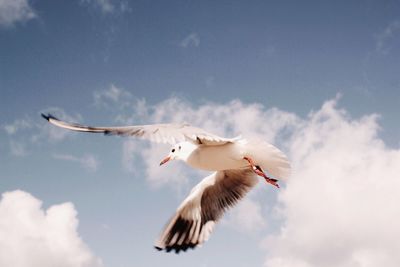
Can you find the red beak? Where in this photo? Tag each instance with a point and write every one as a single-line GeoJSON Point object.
{"type": "Point", "coordinates": [165, 160]}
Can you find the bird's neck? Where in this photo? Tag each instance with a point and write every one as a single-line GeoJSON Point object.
{"type": "Point", "coordinates": [187, 150]}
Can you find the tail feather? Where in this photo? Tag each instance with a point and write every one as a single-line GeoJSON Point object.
{"type": "Point", "coordinates": [269, 158]}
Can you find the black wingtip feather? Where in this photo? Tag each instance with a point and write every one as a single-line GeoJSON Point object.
{"type": "Point", "coordinates": [177, 248]}
{"type": "Point", "coordinates": [48, 116]}
{"type": "Point", "coordinates": [179, 230]}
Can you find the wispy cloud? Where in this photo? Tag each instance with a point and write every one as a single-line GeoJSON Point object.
{"type": "Point", "coordinates": [23, 134]}
{"type": "Point", "coordinates": [112, 97]}
{"type": "Point", "coordinates": [18, 148]}
{"type": "Point", "coordinates": [384, 38]}
{"type": "Point", "coordinates": [192, 39]}
{"type": "Point", "coordinates": [14, 11]}
{"type": "Point", "coordinates": [88, 161]}
{"type": "Point", "coordinates": [31, 236]}
{"type": "Point", "coordinates": [17, 125]}
{"type": "Point", "coordinates": [109, 6]}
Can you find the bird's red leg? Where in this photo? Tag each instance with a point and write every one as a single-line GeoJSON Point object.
{"type": "Point", "coordinates": [260, 172]}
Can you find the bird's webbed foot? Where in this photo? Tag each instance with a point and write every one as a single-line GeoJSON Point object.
{"type": "Point", "coordinates": [257, 169]}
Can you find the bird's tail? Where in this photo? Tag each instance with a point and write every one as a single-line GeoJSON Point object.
{"type": "Point", "coordinates": [272, 160]}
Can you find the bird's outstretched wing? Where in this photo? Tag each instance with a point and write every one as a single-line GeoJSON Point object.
{"type": "Point", "coordinates": [196, 216]}
{"type": "Point", "coordinates": [160, 133]}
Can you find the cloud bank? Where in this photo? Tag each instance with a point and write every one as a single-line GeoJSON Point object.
{"type": "Point", "coordinates": [341, 207]}
{"type": "Point", "coordinates": [30, 236]}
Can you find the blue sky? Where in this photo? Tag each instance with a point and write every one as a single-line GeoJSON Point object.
{"type": "Point", "coordinates": [227, 66]}
{"type": "Point", "coordinates": [266, 50]}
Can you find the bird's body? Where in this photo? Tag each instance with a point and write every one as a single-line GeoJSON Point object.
{"type": "Point", "coordinates": [216, 158]}
{"type": "Point", "coordinates": [230, 156]}
{"type": "Point", "coordinates": [235, 163]}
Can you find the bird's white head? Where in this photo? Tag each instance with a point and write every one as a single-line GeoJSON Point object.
{"type": "Point", "coordinates": [180, 151]}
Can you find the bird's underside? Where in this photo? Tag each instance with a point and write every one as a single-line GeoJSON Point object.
{"type": "Point", "coordinates": [169, 133]}
{"type": "Point", "coordinates": [194, 220]}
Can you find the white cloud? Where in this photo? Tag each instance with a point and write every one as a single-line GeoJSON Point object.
{"type": "Point", "coordinates": [386, 36]}
{"type": "Point", "coordinates": [341, 206]}
{"type": "Point", "coordinates": [13, 11]}
{"type": "Point", "coordinates": [247, 216]}
{"type": "Point", "coordinates": [88, 161]}
{"type": "Point", "coordinates": [31, 236]}
{"type": "Point", "coordinates": [192, 39]}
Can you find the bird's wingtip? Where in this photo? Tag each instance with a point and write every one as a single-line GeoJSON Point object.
{"type": "Point", "coordinates": [48, 116]}
{"type": "Point", "coordinates": [177, 248]}
{"type": "Point", "coordinates": [158, 248]}
{"type": "Point", "coordinates": [44, 116]}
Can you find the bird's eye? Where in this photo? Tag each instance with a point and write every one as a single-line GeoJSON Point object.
{"type": "Point", "coordinates": [180, 147]}
{"type": "Point", "coordinates": [173, 150]}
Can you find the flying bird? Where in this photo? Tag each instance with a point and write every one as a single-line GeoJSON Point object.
{"type": "Point", "coordinates": [235, 162]}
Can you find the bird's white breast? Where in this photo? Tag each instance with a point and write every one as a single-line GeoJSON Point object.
{"type": "Point", "coordinates": [217, 158]}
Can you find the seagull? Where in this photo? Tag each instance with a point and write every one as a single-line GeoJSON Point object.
{"type": "Point", "coordinates": [235, 162]}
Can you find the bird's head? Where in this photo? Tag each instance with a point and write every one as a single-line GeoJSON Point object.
{"type": "Point", "coordinates": [179, 151]}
